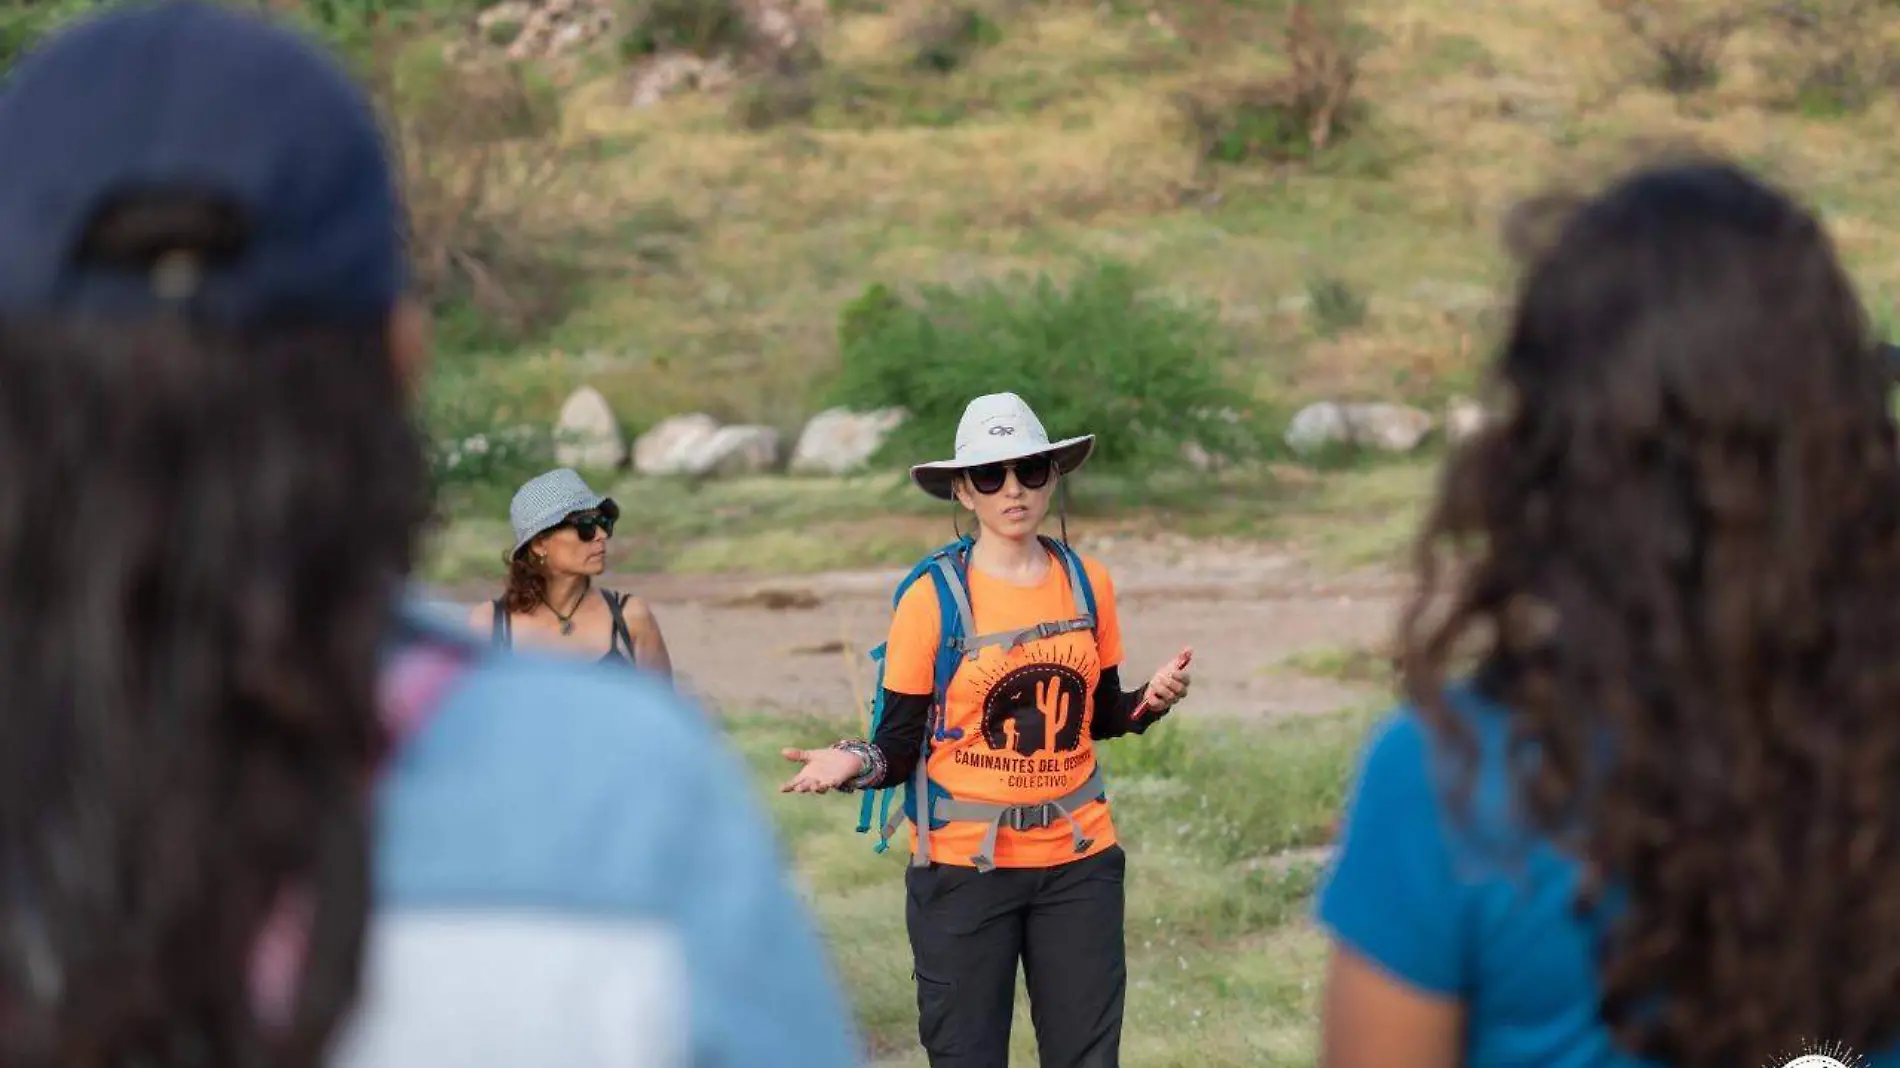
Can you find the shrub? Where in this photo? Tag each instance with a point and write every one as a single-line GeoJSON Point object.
{"type": "Point", "coordinates": [1837, 58]}
{"type": "Point", "coordinates": [946, 40]}
{"type": "Point", "coordinates": [1298, 115]}
{"type": "Point", "coordinates": [1101, 356]}
{"type": "Point", "coordinates": [1684, 40]}
{"type": "Point", "coordinates": [702, 27]}
{"type": "Point", "coordinates": [1334, 305]}
{"type": "Point", "coordinates": [477, 454]}
{"type": "Point", "coordinates": [461, 136]}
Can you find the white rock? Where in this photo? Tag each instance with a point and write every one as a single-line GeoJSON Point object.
{"type": "Point", "coordinates": [511, 11]}
{"type": "Point", "coordinates": [1463, 418]}
{"type": "Point", "coordinates": [840, 441]}
{"type": "Point", "coordinates": [586, 434]}
{"type": "Point", "coordinates": [669, 447]}
{"type": "Point", "coordinates": [1386, 427]}
{"type": "Point", "coordinates": [737, 450]}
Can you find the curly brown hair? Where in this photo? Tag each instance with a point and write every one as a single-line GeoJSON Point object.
{"type": "Point", "coordinates": [526, 585]}
{"type": "Point", "coordinates": [1675, 562]}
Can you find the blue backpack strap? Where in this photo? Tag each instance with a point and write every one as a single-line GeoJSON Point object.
{"type": "Point", "coordinates": [946, 570]}
{"type": "Point", "coordinates": [1079, 586]}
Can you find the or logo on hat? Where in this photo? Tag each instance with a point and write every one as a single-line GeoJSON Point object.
{"type": "Point", "coordinates": [1002, 430]}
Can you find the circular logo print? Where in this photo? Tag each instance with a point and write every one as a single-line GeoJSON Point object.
{"type": "Point", "coordinates": [1036, 708]}
{"type": "Point", "coordinates": [1815, 1060]}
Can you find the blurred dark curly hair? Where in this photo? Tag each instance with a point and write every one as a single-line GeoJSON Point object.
{"type": "Point", "coordinates": [203, 533]}
{"type": "Point", "coordinates": [1675, 559]}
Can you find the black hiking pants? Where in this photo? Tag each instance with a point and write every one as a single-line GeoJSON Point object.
{"type": "Point", "coordinates": [968, 930]}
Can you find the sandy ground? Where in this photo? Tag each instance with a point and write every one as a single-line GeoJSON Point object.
{"type": "Point", "coordinates": [766, 643]}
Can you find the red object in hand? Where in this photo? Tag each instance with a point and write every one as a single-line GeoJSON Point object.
{"type": "Point", "coordinates": [1147, 702]}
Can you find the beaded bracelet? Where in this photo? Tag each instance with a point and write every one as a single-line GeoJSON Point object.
{"type": "Point", "coordinates": [870, 762]}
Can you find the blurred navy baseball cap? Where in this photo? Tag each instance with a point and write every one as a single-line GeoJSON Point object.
{"type": "Point", "coordinates": [196, 98]}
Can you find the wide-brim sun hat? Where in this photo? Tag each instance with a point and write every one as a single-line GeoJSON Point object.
{"type": "Point", "coordinates": [998, 428]}
{"type": "Point", "coordinates": [544, 501]}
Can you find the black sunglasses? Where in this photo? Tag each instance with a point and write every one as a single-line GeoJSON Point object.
{"type": "Point", "coordinates": [587, 524]}
{"type": "Point", "coordinates": [1033, 472]}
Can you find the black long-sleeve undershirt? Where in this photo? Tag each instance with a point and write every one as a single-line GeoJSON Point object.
{"type": "Point", "coordinates": [900, 734]}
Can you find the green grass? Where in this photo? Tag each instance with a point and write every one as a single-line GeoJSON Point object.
{"type": "Point", "coordinates": [1223, 962]}
{"type": "Point", "coordinates": [1344, 664]}
{"type": "Point", "coordinates": [1354, 515]}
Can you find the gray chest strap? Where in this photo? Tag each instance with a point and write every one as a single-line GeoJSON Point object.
{"type": "Point", "coordinates": [972, 646]}
{"type": "Point", "coordinates": [1010, 639]}
{"type": "Point", "coordinates": [1027, 817]}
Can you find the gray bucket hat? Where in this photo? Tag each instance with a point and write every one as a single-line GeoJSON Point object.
{"type": "Point", "coordinates": [996, 428]}
{"type": "Point", "coordinates": [545, 500]}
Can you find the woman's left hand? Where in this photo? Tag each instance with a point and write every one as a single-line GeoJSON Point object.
{"type": "Point", "coordinates": [1169, 684]}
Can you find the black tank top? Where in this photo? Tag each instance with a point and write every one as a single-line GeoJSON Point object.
{"type": "Point", "coordinates": [502, 634]}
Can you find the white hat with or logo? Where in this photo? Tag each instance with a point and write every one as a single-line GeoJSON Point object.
{"type": "Point", "coordinates": [996, 429]}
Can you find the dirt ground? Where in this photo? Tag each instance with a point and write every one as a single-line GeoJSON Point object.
{"type": "Point", "coordinates": [766, 643]}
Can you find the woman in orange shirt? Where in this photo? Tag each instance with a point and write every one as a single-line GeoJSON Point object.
{"type": "Point", "coordinates": [1021, 863]}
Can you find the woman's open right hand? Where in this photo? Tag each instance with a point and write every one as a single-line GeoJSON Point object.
{"type": "Point", "coordinates": [825, 770]}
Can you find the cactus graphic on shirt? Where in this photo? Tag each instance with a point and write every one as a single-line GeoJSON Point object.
{"type": "Point", "coordinates": [1053, 702]}
{"type": "Point", "coordinates": [1036, 708]}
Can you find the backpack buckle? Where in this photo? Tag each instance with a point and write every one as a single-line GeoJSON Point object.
{"type": "Point", "coordinates": [1029, 817]}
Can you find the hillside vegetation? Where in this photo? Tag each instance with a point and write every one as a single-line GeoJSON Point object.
{"type": "Point", "coordinates": [1136, 213]}
{"type": "Point", "coordinates": [1179, 138]}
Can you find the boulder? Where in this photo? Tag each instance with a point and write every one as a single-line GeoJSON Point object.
{"type": "Point", "coordinates": [698, 447]}
{"type": "Point", "coordinates": [840, 441]}
{"type": "Point", "coordinates": [734, 451]}
{"type": "Point", "coordinates": [1384, 427]}
{"type": "Point", "coordinates": [669, 447]}
{"type": "Point", "coordinates": [586, 434]}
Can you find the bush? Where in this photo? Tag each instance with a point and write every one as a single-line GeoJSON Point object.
{"type": "Point", "coordinates": [1334, 305]}
{"type": "Point", "coordinates": [946, 41]}
{"type": "Point", "coordinates": [1100, 356]}
{"type": "Point", "coordinates": [1837, 56]}
{"type": "Point", "coordinates": [477, 455]}
{"type": "Point", "coordinates": [471, 176]}
{"type": "Point", "coordinates": [703, 27]}
{"type": "Point", "coordinates": [1296, 116]}
{"type": "Point", "coordinates": [1684, 39]}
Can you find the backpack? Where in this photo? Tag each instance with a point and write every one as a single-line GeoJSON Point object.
{"type": "Point", "coordinates": [948, 568]}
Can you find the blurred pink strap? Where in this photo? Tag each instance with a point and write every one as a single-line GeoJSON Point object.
{"type": "Point", "coordinates": [410, 689]}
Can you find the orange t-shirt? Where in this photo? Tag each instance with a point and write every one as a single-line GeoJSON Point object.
{"type": "Point", "coordinates": [1024, 714]}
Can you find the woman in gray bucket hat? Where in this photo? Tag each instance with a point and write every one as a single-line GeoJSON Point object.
{"type": "Point", "coordinates": [561, 529]}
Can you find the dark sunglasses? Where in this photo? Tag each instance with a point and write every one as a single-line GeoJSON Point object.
{"type": "Point", "coordinates": [587, 524]}
{"type": "Point", "coordinates": [1032, 472]}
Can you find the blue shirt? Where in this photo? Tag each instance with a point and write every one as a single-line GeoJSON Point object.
{"type": "Point", "coordinates": [1472, 909]}
{"type": "Point", "coordinates": [571, 870]}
